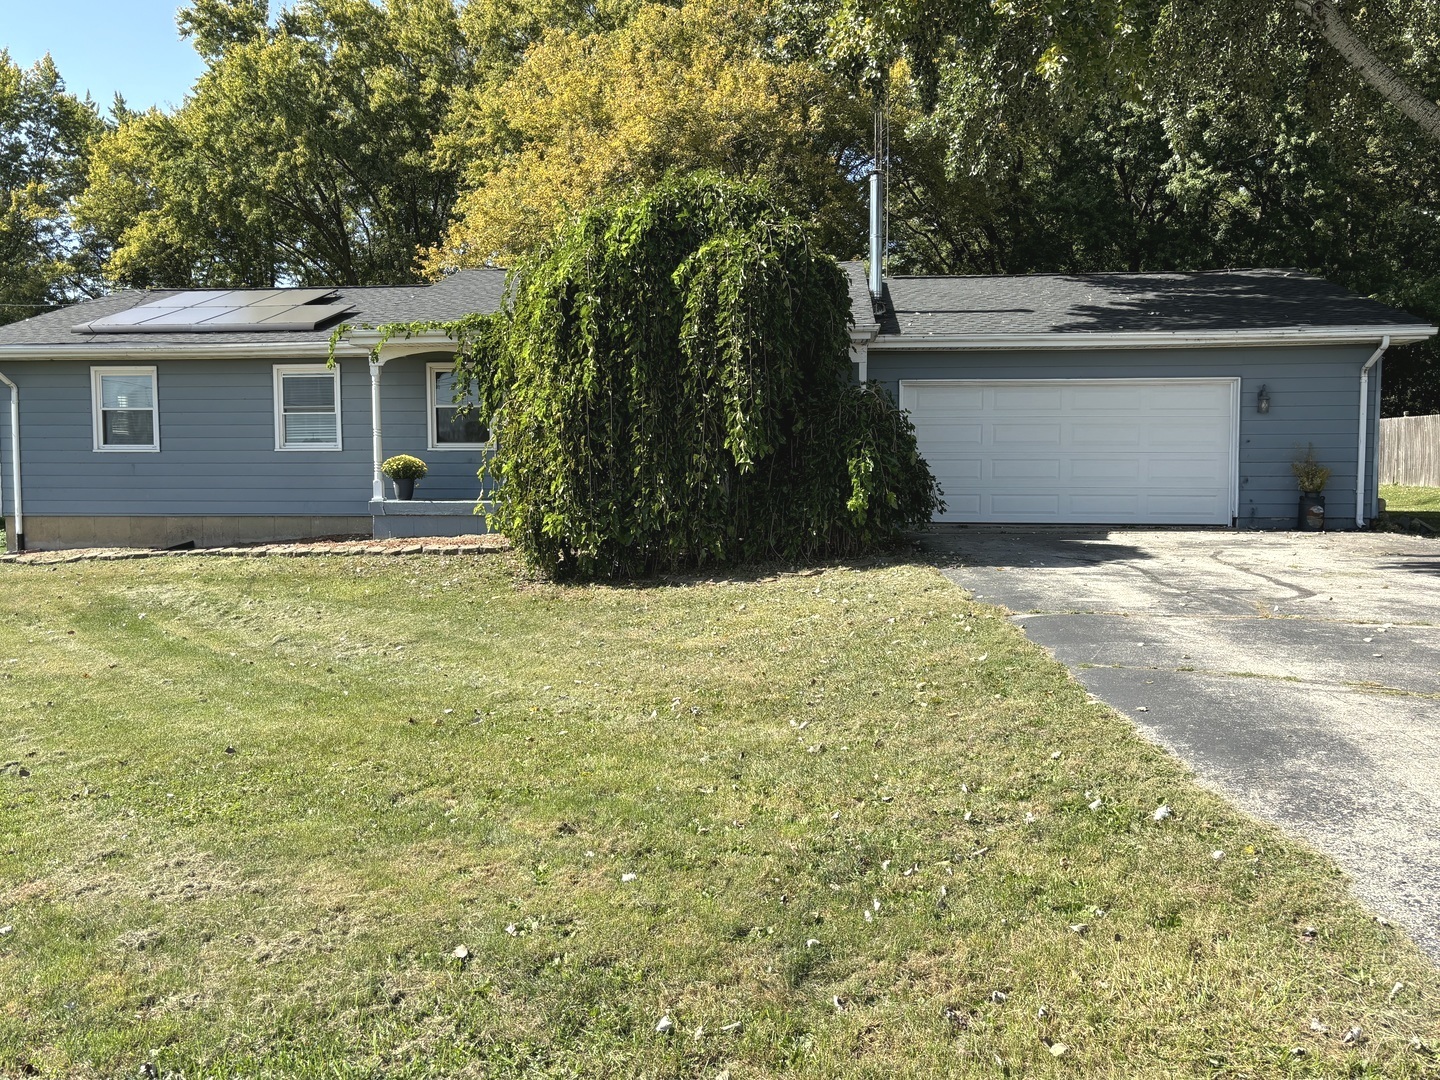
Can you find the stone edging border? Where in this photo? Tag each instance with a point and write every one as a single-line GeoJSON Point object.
{"type": "Point", "coordinates": [254, 551]}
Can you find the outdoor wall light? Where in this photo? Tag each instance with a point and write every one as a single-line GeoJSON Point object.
{"type": "Point", "coordinates": [1262, 403]}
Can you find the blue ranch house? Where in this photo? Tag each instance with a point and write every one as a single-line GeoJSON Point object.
{"type": "Point", "coordinates": [155, 419]}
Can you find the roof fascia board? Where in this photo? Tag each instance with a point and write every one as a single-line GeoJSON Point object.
{"type": "Point", "coordinates": [1158, 339]}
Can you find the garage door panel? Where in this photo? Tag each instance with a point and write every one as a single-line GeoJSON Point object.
{"type": "Point", "coordinates": [1171, 470]}
{"type": "Point", "coordinates": [1195, 506]}
{"type": "Point", "coordinates": [1105, 399]}
{"type": "Point", "coordinates": [1088, 470]}
{"type": "Point", "coordinates": [1026, 399]}
{"type": "Point", "coordinates": [1047, 434]}
{"type": "Point", "coordinates": [1082, 451]}
{"type": "Point", "coordinates": [951, 400]}
{"type": "Point", "coordinates": [1105, 506]}
{"type": "Point", "coordinates": [1025, 468]}
{"type": "Point", "coordinates": [1044, 506]}
{"type": "Point", "coordinates": [962, 503]}
{"type": "Point", "coordinates": [1188, 398]}
{"type": "Point", "coordinates": [1186, 435]}
{"type": "Point", "coordinates": [1086, 433]}
{"type": "Point", "coordinates": [957, 468]}
{"type": "Point", "coordinates": [959, 435]}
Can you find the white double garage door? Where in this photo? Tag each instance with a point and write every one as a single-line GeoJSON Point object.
{"type": "Point", "coordinates": [1081, 451]}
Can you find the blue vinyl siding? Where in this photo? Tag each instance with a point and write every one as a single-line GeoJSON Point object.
{"type": "Point", "coordinates": [217, 444]}
{"type": "Point", "coordinates": [218, 457]}
{"type": "Point", "coordinates": [1314, 395]}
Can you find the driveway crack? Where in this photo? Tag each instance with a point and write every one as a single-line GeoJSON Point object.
{"type": "Point", "coordinates": [1300, 593]}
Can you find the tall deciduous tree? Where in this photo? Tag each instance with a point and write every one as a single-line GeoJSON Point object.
{"type": "Point", "coordinates": [302, 154]}
{"type": "Point", "coordinates": [591, 109]}
{"type": "Point", "coordinates": [45, 139]}
{"type": "Point", "coordinates": [1046, 135]}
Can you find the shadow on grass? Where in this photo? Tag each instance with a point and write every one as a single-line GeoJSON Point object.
{"type": "Point", "coordinates": [942, 546]}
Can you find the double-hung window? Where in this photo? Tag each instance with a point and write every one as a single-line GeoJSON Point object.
{"type": "Point", "coordinates": [454, 425]}
{"type": "Point", "coordinates": [307, 407]}
{"type": "Point", "coordinates": [123, 407]}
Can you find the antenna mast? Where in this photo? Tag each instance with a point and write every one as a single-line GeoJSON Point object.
{"type": "Point", "coordinates": [879, 202]}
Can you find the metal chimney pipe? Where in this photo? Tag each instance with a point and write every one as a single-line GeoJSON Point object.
{"type": "Point", "coordinates": [877, 233]}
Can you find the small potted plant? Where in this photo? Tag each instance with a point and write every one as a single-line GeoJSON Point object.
{"type": "Point", "coordinates": [403, 470]}
{"type": "Point", "coordinates": [1312, 477]}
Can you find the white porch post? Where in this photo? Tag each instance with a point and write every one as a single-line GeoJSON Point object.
{"type": "Point", "coordinates": [860, 357]}
{"type": "Point", "coordinates": [377, 490]}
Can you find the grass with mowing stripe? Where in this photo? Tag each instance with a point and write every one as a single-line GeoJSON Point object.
{"type": "Point", "coordinates": [254, 806]}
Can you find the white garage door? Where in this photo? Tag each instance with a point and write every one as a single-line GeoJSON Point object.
{"type": "Point", "coordinates": [1083, 451]}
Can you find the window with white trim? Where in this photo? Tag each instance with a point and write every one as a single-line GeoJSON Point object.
{"type": "Point", "coordinates": [307, 407]}
{"type": "Point", "coordinates": [124, 410]}
{"type": "Point", "coordinates": [454, 425]}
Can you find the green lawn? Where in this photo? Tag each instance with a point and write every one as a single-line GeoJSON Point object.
{"type": "Point", "coordinates": [1415, 502]}
{"type": "Point", "coordinates": [254, 806]}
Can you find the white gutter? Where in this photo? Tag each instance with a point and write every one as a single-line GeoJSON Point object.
{"type": "Point", "coordinates": [1152, 339]}
{"type": "Point", "coordinates": [249, 350]}
{"type": "Point", "coordinates": [15, 462]}
{"type": "Point", "coordinates": [1360, 470]}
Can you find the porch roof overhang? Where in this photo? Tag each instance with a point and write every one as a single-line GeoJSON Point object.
{"type": "Point", "coordinates": [382, 347]}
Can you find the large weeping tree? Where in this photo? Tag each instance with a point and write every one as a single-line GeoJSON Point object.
{"type": "Point", "coordinates": [670, 384]}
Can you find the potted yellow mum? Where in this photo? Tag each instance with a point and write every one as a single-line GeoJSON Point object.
{"type": "Point", "coordinates": [403, 470]}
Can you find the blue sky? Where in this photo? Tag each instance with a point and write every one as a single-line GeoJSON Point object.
{"type": "Point", "coordinates": [105, 45]}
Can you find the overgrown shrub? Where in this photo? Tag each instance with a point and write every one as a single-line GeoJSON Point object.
{"type": "Point", "coordinates": [670, 384]}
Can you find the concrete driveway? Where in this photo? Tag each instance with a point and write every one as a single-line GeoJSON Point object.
{"type": "Point", "coordinates": [1297, 674]}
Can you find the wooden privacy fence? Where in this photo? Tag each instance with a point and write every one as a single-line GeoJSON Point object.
{"type": "Point", "coordinates": [1410, 450]}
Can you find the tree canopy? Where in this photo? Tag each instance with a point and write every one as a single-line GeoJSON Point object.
{"type": "Point", "coordinates": [45, 138]}
{"type": "Point", "coordinates": [365, 141]}
{"type": "Point", "coordinates": [1046, 135]}
{"type": "Point", "coordinates": [302, 155]}
{"type": "Point", "coordinates": [587, 111]}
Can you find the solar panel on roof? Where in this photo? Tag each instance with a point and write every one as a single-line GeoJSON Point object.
{"type": "Point", "coordinates": [211, 310]}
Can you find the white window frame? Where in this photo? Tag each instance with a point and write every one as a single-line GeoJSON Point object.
{"type": "Point", "coordinates": [97, 417]}
{"type": "Point", "coordinates": [432, 441]}
{"type": "Point", "coordinates": [281, 370]}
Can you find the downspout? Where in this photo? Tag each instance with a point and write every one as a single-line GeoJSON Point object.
{"type": "Point", "coordinates": [1360, 471]}
{"type": "Point", "coordinates": [377, 489]}
{"type": "Point", "coordinates": [15, 462]}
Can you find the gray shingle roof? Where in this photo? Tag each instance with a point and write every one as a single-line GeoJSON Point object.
{"type": "Point", "coordinates": [915, 308]}
{"type": "Point", "coordinates": [860, 307]}
{"type": "Point", "coordinates": [464, 293]}
{"type": "Point", "coordinates": [920, 307]}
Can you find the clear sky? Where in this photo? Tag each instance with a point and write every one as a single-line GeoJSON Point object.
{"type": "Point", "coordinates": [104, 46]}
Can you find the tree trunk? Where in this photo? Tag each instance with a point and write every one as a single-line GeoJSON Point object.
{"type": "Point", "coordinates": [1379, 75]}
